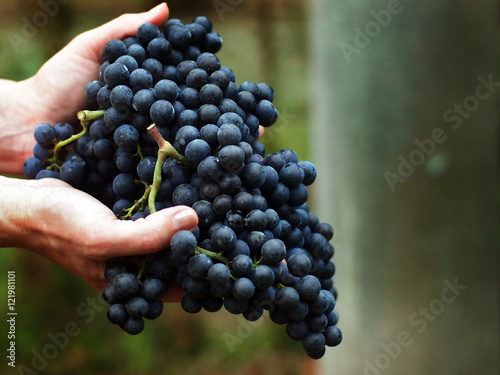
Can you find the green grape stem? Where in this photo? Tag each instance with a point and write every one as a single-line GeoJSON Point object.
{"type": "Point", "coordinates": [165, 150]}
{"type": "Point", "coordinates": [84, 116]}
{"type": "Point", "coordinates": [212, 254]}
{"type": "Point", "coordinates": [138, 203]}
{"type": "Point", "coordinates": [256, 262]}
{"type": "Point", "coordinates": [139, 152]}
{"type": "Point", "coordinates": [169, 149]}
{"type": "Point", "coordinates": [144, 263]}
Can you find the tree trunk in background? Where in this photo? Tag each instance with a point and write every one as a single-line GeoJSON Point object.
{"type": "Point", "coordinates": [405, 141]}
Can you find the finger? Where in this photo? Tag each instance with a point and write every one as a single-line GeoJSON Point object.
{"type": "Point", "coordinates": [174, 293]}
{"type": "Point", "coordinates": [92, 42]}
{"type": "Point", "coordinates": [144, 236]}
{"type": "Point", "coordinates": [261, 131]}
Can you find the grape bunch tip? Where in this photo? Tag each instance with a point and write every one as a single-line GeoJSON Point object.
{"type": "Point", "coordinates": [167, 125]}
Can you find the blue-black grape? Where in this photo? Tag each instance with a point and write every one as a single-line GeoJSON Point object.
{"type": "Point", "coordinates": [183, 243]}
{"type": "Point", "coordinates": [253, 175]}
{"type": "Point", "coordinates": [47, 173]}
{"type": "Point", "coordinates": [152, 289]}
{"type": "Point", "coordinates": [155, 309]}
{"type": "Point", "coordinates": [219, 274]}
{"type": "Point", "coordinates": [179, 36]}
{"type": "Point", "coordinates": [317, 323]}
{"type": "Point", "coordinates": [124, 186]}
{"type": "Point", "coordinates": [314, 343]}
{"type": "Point", "coordinates": [199, 265]}
{"type": "Point", "coordinates": [242, 265]}
{"type": "Point", "coordinates": [130, 62]}
{"type": "Point", "coordinates": [191, 305]}
{"type": "Point", "coordinates": [266, 113]}
{"type": "Point", "coordinates": [262, 276]}
{"type": "Point", "coordinates": [41, 152]}
{"type": "Point", "coordinates": [190, 97]}
{"type": "Point", "coordinates": [137, 51]}
{"type": "Point", "coordinates": [185, 194]}
{"type": "Point", "coordinates": [143, 100]}
{"type": "Point", "coordinates": [162, 113]}
{"type": "Point", "coordinates": [92, 90]}
{"type": "Point", "coordinates": [140, 79]}
{"type": "Point", "coordinates": [206, 215]}
{"type": "Point", "coordinates": [159, 49]}
{"type": "Point", "coordinates": [228, 134]}
{"type": "Point", "coordinates": [208, 114]}
{"type": "Point", "coordinates": [120, 206]}
{"type": "Point", "coordinates": [223, 238]}
{"type": "Point", "coordinates": [117, 313]}
{"type": "Point", "coordinates": [299, 312]}
{"type": "Point", "coordinates": [32, 166]}
{"type": "Point", "coordinates": [73, 173]}
{"type": "Point", "coordinates": [133, 326]}
{"type": "Point", "coordinates": [45, 134]}
{"type": "Point", "coordinates": [121, 97]}
{"type": "Point", "coordinates": [114, 49]}
{"type": "Point", "coordinates": [126, 137]}
{"type": "Point", "coordinates": [197, 150]}
{"type": "Point", "coordinates": [197, 78]}
{"type": "Point", "coordinates": [63, 131]}
{"type": "Point", "coordinates": [231, 158]}
{"type": "Point", "coordinates": [287, 298]}
{"type": "Point", "coordinates": [166, 89]}
{"type": "Point", "coordinates": [146, 168]}
{"type": "Point", "coordinates": [308, 288]}
{"type": "Point", "coordinates": [299, 265]}
{"type": "Point", "coordinates": [187, 117]}
{"type": "Point", "coordinates": [195, 287]}
{"type": "Point", "coordinates": [125, 285]}
{"type": "Point", "coordinates": [147, 32]}
{"type": "Point", "coordinates": [297, 330]}
{"type": "Point", "coordinates": [273, 251]}
{"type": "Point", "coordinates": [116, 74]}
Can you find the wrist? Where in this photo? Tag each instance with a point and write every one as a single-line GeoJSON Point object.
{"type": "Point", "coordinates": [12, 212]}
{"type": "Point", "coordinates": [18, 105]}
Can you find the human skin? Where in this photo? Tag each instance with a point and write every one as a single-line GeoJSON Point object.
{"type": "Point", "coordinates": [48, 216]}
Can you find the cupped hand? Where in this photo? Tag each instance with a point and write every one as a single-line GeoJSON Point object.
{"type": "Point", "coordinates": [57, 91]}
{"type": "Point", "coordinates": [79, 233]}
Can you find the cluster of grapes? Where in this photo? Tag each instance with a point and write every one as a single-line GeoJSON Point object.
{"type": "Point", "coordinates": [169, 126]}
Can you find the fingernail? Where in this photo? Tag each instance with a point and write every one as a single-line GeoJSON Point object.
{"type": "Point", "coordinates": [185, 219]}
{"type": "Point", "coordinates": [157, 8]}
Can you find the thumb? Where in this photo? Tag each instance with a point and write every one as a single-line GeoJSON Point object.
{"type": "Point", "coordinates": [150, 234]}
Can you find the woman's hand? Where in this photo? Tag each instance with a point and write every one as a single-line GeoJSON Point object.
{"type": "Point", "coordinates": [79, 233]}
{"type": "Point", "coordinates": [57, 91]}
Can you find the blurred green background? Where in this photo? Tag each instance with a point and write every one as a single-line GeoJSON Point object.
{"type": "Point", "coordinates": [355, 105]}
{"type": "Point", "coordinates": [264, 41]}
